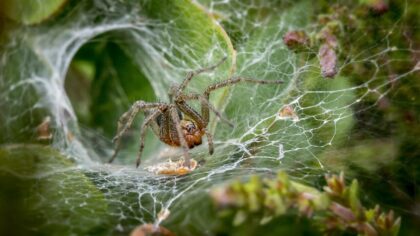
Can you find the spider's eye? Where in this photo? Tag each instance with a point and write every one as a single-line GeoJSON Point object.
{"type": "Point", "coordinates": [190, 127]}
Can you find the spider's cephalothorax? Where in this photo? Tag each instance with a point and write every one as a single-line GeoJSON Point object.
{"type": "Point", "coordinates": [190, 131]}
{"type": "Point", "coordinates": [176, 123]}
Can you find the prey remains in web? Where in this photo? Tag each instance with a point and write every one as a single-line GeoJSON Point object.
{"type": "Point", "coordinates": [178, 124]}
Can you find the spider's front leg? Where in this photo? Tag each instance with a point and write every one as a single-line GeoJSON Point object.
{"type": "Point", "coordinates": [190, 75]}
{"type": "Point", "coordinates": [126, 120]}
{"type": "Point", "coordinates": [206, 107]}
{"type": "Point", "coordinates": [182, 141]}
{"type": "Point", "coordinates": [143, 129]}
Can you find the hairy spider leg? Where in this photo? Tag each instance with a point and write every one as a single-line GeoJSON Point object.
{"type": "Point", "coordinates": [126, 120]}
{"type": "Point", "coordinates": [148, 121]}
{"type": "Point", "coordinates": [190, 75]}
{"type": "Point", "coordinates": [236, 80]}
{"type": "Point", "coordinates": [225, 83]}
{"type": "Point", "coordinates": [209, 141]}
{"type": "Point", "coordinates": [204, 99]}
{"type": "Point", "coordinates": [164, 122]}
{"type": "Point", "coordinates": [204, 116]}
{"type": "Point", "coordinates": [191, 113]}
{"type": "Point", "coordinates": [175, 118]}
{"type": "Point", "coordinates": [206, 103]}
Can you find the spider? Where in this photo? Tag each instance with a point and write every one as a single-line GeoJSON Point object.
{"type": "Point", "coordinates": [176, 123]}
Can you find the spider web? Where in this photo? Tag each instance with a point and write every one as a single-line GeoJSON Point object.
{"type": "Point", "coordinates": [323, 113]}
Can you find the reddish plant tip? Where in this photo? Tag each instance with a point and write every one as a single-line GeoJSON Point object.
{"type": "Point", "coordinates": [327, 54]}
{"type": "Point", "coordinates": [328, 61]}
{"type": "Point", "coordinates": [296, 40]}
{"type": "Point", "coordinates": [328, 37]}
{"type": "Point", "coordinates": [343, 212]}
{"type": "Point", "coordinates": [378, 7]}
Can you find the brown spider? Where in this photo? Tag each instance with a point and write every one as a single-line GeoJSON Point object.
{"type": "Point", "coordinates": [176, 123]}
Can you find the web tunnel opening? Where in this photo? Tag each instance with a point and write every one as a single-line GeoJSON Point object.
{"type": "Point", "coordinates": [102, 82]}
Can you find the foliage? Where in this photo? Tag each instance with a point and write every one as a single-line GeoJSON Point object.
{"type": "Point", "coordinates": [42, 191]}
{"type": "Point", "coordinates": [335, 210]}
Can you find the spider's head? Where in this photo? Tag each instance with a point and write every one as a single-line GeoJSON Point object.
{"type": "Point", "coordinates": [191, 133]}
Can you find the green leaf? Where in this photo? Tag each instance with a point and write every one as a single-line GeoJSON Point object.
{"type": "Point", "coordinates": [396, 227]}
{"type": "Point", "coordinates": [46, 194]}
{"type": "Point", "coordinates": [30, 12]}
{"type": "Point", "coordinates": [240, 218]}
{"type": "Point", "coordinates": [262, 56]}
{"type": "Point", "coordinates": [353, 196]}
{"type": "Point", "coordinates": [23, 95]}
{"type": "Point", "coordinates": [369, 155]}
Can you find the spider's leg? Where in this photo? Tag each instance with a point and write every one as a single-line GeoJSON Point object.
{"type": "Point", "coordinates": [210, 142]}
{"type": "Point", "coordinates": [206, 106]}
{"type": "Point", "coordinates": [187, 110]}
{"type": "Point", "coordinates": [190, 75]}
{"type": "Point", "coordinates": [126, 120]}
{"type": "Point", "coordinates": [165, 125]}
{"type": "Point", "coordinates": [236, 80]}
{"type": "Point", "coordinates": [175, 118]}
{"type": "Point", "coordinates": [148, 121]}
{"type": "Point", "coordinates": [205, 100]}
